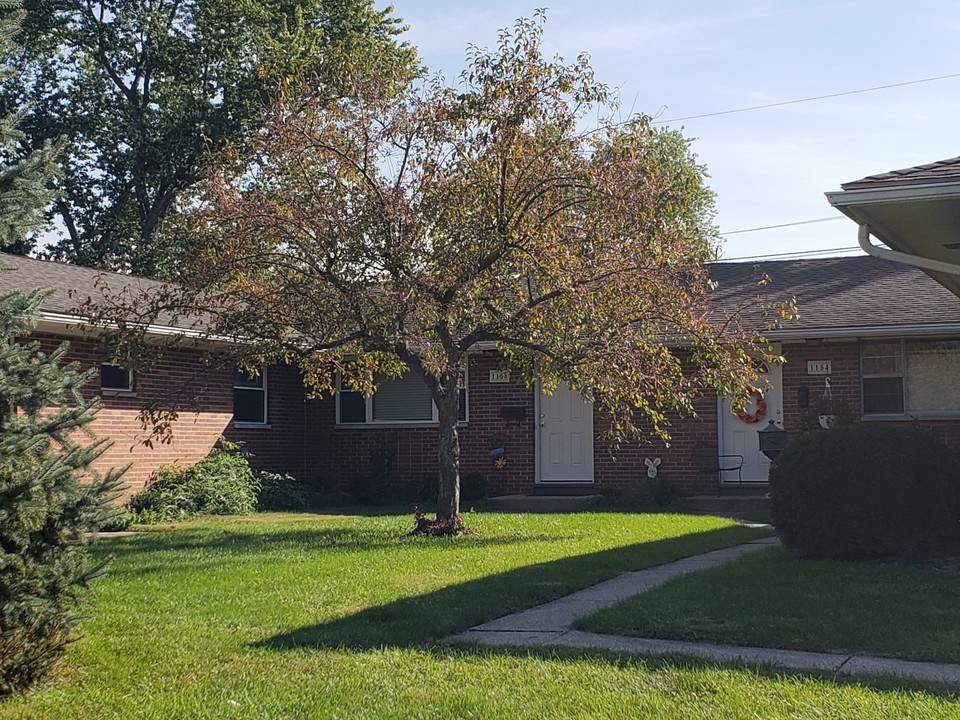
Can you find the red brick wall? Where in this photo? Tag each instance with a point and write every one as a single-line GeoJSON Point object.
{"type": "Point", "coordinates": [339, 454]}
{"type": "Point", "coordinates": [181, 376]}
{"type": "Point", "coordinates": [280, 446]}
{"type": "Point", "coordinates": [301, 437]}
{"type": "Point", "coordinates": [176, 376]}
{"type": "Point", "coordinates": [616, 467]}
{"type": "Point", "coordinates": [845, 386]}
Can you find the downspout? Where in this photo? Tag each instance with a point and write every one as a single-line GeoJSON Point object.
{"type": "Point", "coordinates": [863, 237]}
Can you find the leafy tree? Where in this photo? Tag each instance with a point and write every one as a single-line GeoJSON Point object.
{"type": "Point", "coordinates": [145, 89]}
{"type": "Point", "coordinates": [385, 233]}
{"type": "Point", "coordinates": [25, 179]}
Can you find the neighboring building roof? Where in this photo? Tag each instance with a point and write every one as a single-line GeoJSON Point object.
{"type": "Point", "coordinates": [915, 212]}
{"type": "Point", "coordinates": [73, 286]}
{"type": "Point", "coordinates": [940, 171]}
{"type": "Point", "coordinates": [836, 294]}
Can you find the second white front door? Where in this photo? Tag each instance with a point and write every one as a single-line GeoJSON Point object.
{"type": "Point", "coordinates": [565, 437]}
{"type": "Point", "coordinates": [740, 438]}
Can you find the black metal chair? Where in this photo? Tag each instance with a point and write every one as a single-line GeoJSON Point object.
{"type": "Point", "coordinates": [710, 461]}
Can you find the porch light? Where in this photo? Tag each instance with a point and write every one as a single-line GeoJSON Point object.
{"type": "Point", "coordinates": [772, 440]}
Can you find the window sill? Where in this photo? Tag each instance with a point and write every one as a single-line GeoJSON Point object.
{"type": "Point", "coordinates": [252, 426]}
{"type": "Point", "coordinates": [118, 393]}
{"type": "Point", "coordinates": [391, 425]}
{"type": "Point", "coordinates": [911, 417]}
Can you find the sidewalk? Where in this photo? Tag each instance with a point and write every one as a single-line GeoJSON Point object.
{"type": "Point", "coordinates": [549, 625]}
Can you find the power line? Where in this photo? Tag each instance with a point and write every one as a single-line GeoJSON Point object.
{"type": "Point", "coordinates": [795, 254]}
{"type": "Point", "coordinates": [783, 225]}
{"type": "Point", "coordinates": [809, 99]}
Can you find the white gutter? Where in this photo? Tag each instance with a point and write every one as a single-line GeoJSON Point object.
{"type": "Point", "coordinates": [872, 196]}
{"type": "Point", "coordinates": [863, 237]}
{"type": "Point", "coordinates": [865, 331]}
{"type": "Point", "coordinates": [77, 321]}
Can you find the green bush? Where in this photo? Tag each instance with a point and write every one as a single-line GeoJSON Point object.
{"type": "Point", "coordinates": [647, 494]}
{"type": "Point", "coordinates": [864, 490]}
{"type": "Point", "coordinates": [280, 491]}
{"type": "Point", "coordinates": [221, 484]}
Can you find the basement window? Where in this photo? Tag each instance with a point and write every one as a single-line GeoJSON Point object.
{"type": "Point", "coordinates": [115, 378]}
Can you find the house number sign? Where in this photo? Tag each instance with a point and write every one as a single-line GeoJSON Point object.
{"type": "Point", "coordinates": [818, 367]}
{"type": "Point", "coordinates": [499, 376]}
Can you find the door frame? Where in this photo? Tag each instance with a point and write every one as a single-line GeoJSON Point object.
{"type": "Point", "coordinates": [538, 453]}
{"type": "Point", "coordinates": [727, 479]}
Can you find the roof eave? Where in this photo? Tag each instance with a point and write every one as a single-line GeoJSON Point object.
{"type": "Point", "coordinates": [77, 325]}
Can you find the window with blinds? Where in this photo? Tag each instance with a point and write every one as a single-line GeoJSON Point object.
{"type": "Point", "coordinates": [402, 399]}
{"type": "Point", "coordinates": [911, 377]}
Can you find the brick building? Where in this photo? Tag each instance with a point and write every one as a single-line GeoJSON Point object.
{"type": "Point", "coordinates": [884, 337]}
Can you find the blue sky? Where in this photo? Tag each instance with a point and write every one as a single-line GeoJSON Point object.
{"type": "Point", "coordinates": [689, 57]}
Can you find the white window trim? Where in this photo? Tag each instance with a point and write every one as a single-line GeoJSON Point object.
{"type": "Point", "coordinates": [907, 414]}
{"type": "Point", "coordinates": [266, 420]}
{"type": "Point", "coordinates": [369, 422]}
{"type": "Point", "coordinates": [127, 391]}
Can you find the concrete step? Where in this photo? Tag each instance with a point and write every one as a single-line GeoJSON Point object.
{"type": "Point", "coordinates": [541, 503]}
{"type": "Point", "coordinates": [554, 489]}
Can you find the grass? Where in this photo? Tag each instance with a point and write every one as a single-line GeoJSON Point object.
{"type": "Point", "coordinates": [300, 616]}
{"type": "Point", "coordinates": [772, 599]}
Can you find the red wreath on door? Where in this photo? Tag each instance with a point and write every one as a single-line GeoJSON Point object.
{"type": "Point", "coordinates": [759, 410]}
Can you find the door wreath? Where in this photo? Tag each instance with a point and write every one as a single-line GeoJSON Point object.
{"type": "Point", "coordinates": [759, 410]}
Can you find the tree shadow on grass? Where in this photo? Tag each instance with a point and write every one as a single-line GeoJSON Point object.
{"type": "Point", "coordinates": [654, 663]}
{"type": "Point", "coordinates": [428, 617]}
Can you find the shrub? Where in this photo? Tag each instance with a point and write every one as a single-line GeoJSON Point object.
{"type": "Point", "coordinates": [220, 484]}
{"type": "Point", "coordinates": [864, 490]}
{"type": "Point", "coordinates": [646, 494]}
{"type": "Point", "coordinates": [279, 491]}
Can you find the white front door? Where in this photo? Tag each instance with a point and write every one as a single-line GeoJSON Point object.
{"type": "Point", "coordinates": [565, 437]}
{"type": "Point", "coordinates": [740, 438]}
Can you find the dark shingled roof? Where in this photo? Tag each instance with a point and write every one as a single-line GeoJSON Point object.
{"type": "Point", "coordinates": [73, 285]}
{"type": "Point", "coordinates": [940, 171]}
{"type": "Point", "coordinates": [836, 293]}
{"type": "Point", "coordinates": [831, 293]}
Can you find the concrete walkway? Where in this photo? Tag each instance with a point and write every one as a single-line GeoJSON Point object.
{"type": "Point", "coordinates": [549, 625]}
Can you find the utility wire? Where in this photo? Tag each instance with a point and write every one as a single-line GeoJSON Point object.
{"type": "Point", "coordinates": [809, 99]}
{"type": "Point", "coordinates": [795, 254]}
{"type": "Point", "coordinates": [783, 225]}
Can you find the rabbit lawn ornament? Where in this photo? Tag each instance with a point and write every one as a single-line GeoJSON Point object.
{"type": "Point", "coordinates": [652, 466]}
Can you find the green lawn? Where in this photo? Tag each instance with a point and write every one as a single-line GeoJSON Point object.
{"type": "Point", "coordinates": [775, 600]}
{"type": "Point", "coordinates": [300, 616]}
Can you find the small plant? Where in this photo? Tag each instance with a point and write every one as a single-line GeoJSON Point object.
{"type": "Point", "coordinates": [437, 527]}
{"type": "Point", "coordinates": [119, 521]}
{"type": "Point", "coordinates": [646, 494]}
{"type": "Point", "coordinates": [221, 484]}
{"type": "Point", "coordinates": [281, 491]}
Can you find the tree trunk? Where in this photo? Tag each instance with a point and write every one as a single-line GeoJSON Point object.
{"type": "Point", "coordinates": [447, 398]}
